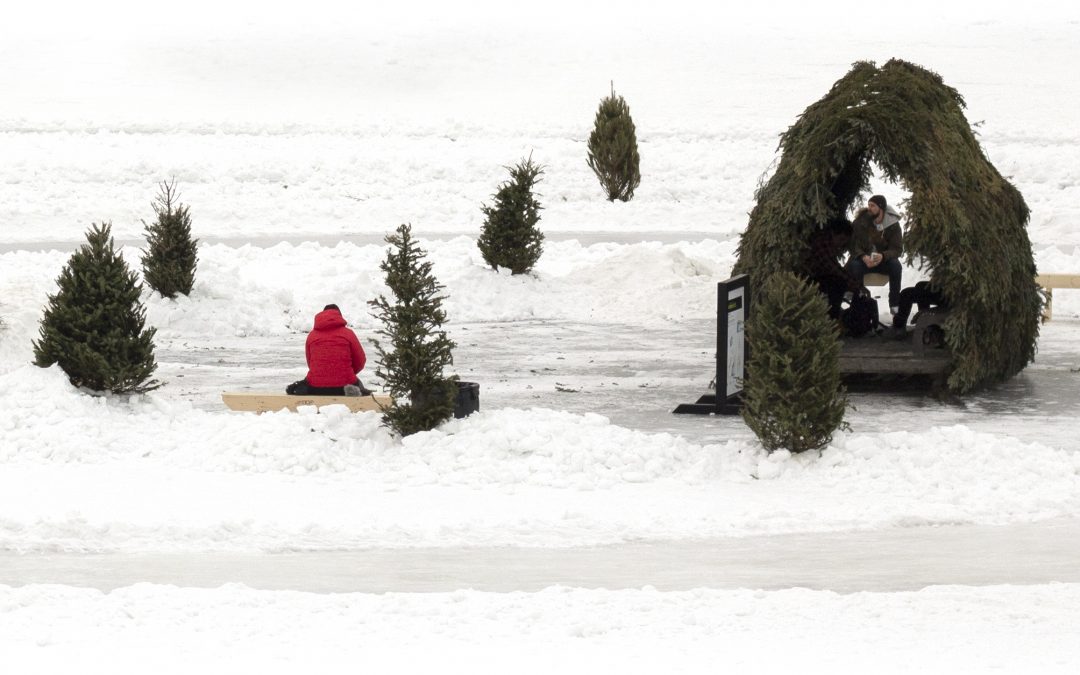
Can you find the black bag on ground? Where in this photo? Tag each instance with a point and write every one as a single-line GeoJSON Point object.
{"type": "Point", "coordinates": [861, 316]}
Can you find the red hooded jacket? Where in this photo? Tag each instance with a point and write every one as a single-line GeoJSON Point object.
{"type": "Point", "coordinates": [334, 355]}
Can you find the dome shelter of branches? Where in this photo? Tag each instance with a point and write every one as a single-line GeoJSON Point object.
{"type": "Point", "coordinates": [966, 224]}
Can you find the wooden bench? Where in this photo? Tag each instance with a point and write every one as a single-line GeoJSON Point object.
{"type": "Point", "coordinates": [1051, 281]}
{"type": "Point", "coordinates": [261, 402]}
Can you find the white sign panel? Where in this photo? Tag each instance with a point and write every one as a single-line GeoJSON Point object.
{"type": "Point", "coordinates": [736, 340]}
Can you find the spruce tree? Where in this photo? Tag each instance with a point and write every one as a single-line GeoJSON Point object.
{"type": "Point", "coordinates": [418, 349]}
{"type": "Point", "coordinates": [170, 257]}
{"type": "Point", "coordinates": [510, 237]}
{"type": "Point", "coordinates": [94, 326]}
{"type": "Point", "coordinates": [793, 396]}
{"type": "Point", "coordinates": [613, 152]}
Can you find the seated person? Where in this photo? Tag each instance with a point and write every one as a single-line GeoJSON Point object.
{"type": "Point", "coordinates": [334, 358]}
{"type": "Point", "coordinates": [876, 246]}
{"type": "Point", "coordinates": [823, 268]}
{"type": "Point", "coordinates": [921, 294]}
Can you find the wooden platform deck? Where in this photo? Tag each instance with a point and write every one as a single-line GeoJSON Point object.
{"type": "Point", "coordinates": [879, 355]}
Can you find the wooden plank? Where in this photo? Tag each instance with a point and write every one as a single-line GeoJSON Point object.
{"type": "Point", "coordinates": [875, 279]}
{"type": "Point", "coordinates": [261, 402]}
{"type": "Point", "coordinates": [875, 365]}
{"type": "Point", "coordinates": [1052, 281]}
{"type": "Point", "coordinates": [1058, 280]}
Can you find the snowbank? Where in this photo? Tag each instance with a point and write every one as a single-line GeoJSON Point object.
{"type": "Point", "coordinates": [155, 473]}
{"type": "Point", "coordinates": [145, 473]}
{"type": "Point", "coordinates": [252, 291]}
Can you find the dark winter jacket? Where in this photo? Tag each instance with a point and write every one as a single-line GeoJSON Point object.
{"type": "Point", "coordinates": [867, 237]}
{"type": "Point", "coordinates": [821, 264]}
{"type": "Point", "coordinates": [334, 355]}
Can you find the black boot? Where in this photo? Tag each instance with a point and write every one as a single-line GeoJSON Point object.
{"type": "Point", "coordinates": [898, 331]}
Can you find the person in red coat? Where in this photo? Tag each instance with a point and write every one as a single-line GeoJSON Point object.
{"type": "Point", "coordinates": [334, 358]}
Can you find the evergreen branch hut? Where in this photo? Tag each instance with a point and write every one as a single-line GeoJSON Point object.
{"type": "Point", "coordinates": [966, 224]}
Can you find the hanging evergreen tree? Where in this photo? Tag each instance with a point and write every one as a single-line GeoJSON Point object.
{"type": "Point", "coordinates": [170, 257]}
{"type": "Point", "coordinates": [418, 348]}
{"type": "Point", "coordinates": [94, 325]}
{"type": "Point", "coordinates": [510, 237]}
{"type": "Point", "coordinates": [793, 396]}
{"type": "Point", "coordinates": [613, 152]}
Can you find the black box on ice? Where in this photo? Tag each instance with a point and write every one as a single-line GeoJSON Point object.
{"type": "Point", "coordinates": [468, 399]}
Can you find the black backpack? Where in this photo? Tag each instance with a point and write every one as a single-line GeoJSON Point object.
{"type": "Point", "coordinates": [861, 316]}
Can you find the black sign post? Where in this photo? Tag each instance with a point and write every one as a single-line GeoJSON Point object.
{"type": "Point", "coordinates": [732, 311]}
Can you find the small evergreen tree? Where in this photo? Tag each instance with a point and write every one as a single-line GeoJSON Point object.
{"type": "Point", "coordinates": [419, 350]}
{"type": "Point", "coordinates": [170, 257]}
{"type": "Point", "coordinates": [613, 152]}
{"type": "Point", "coordinates": [793, 396]}
{"type": "Point", "coordinates": [94, 325]}
{"type": "Point", "coordinates": [510, 237]}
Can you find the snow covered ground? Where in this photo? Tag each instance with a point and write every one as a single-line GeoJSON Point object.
{"type": "Point", "coordinates": [287, 134]}
{"type": "Point", "coordinates": [165, 629]}
{"type": "Point", "coordinates": [599, 328]}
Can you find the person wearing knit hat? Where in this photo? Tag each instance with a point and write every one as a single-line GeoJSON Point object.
{"type": "Point", "coordinates": [876, 245]}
